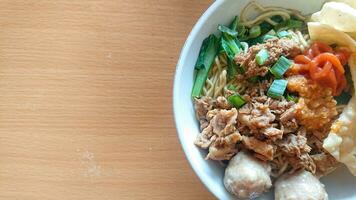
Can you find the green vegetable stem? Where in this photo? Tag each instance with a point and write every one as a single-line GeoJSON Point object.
{"type": "Point", "coordinates": [205, 60]}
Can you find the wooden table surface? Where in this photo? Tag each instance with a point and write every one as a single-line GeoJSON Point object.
{"type": "Point", "coordinates": [86, 99]}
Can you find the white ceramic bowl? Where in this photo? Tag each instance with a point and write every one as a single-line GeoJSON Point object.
{"type": "Point", "coordinates": [340, 185]}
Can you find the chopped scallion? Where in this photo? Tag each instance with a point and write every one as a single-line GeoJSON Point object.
{"type": "Point", "coordinates": [282, 34]}
{"type": "Point", "coordinates": [262, 57]}
{"type": "Point", "coordinates": [236, 100]}
{"type": "Point", "coordinates": [281, 66]}
{"type": "Point", "coordinates": [277, 88]}
{"type": "Point", "coordinates": [268, 37]}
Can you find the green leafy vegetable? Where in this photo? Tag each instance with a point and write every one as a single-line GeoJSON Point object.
{"type": "Point", "coordinates": [243, 33]}
{"type": "Point", "coordinates": [277, 88]}
{"type": "Point", "coordinates": [200, 79]}
{"type": "Point", "coordinates": [260, 40]}
{"type": "Point", "coordinates": [343, 98]}
{"type": "Point", "coordinates": [234, 24]}
{"type": "Point", "coordinates": [255, 41]}
{"type": "Point", "coordinates": [241, 29]}
{"type": "Point", "coordinates": [289, 24]}
{"type": "Point", "coordinates": [277, 19]}
{"type": "Point", "coordinates": [262, 56]}
{"type": "Point", "coordinates": [227, 30]}
{"type": "Point", "coordinates": [236, 100]}
{"type": "Point", "coordinates": [265, 27]}
{"type": "Point", "coordinates": [221, 50]}
{"type": "Point", "coordinates": [231, 69]}
{"type": "Point", "coordinates": [230, 47]}
{"type": "Point", "coordinates": [348, 75]}
{"type": "Point", "coordinates": [229, 42]}
{"type": "Point", "coordinates": [255, 31]}
{"type": "Point", "coordinates": [207, 52]}
{"type": "Point", "coordinates": [281, 66]}
{"type": "Point", "coordinates": [205, 60]}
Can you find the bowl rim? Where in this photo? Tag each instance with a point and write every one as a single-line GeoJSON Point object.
{"type": "Point", "coordinates": [177, 77]}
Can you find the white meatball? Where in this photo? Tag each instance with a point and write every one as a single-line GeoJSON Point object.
{"type": "Point", "coordinates": [299, 186]}
{"type": "Point", "coordinates": [246, 177]}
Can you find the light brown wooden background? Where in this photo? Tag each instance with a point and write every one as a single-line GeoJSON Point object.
{"type": "Point", "coordinates": [85, 99]}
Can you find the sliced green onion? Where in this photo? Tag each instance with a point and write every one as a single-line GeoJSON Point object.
{"type": "Point", "coordinates": [282, 34]}
{"type": "Point", "coordinates": [277, 88]}
{"type": "Point", "coordinates": [281, 66]}
{"type": "Point", "coordinates": [268, 37]}
{"type": "Point", "coordinates": [236, 100]}
{"type": "Point", "coordinates": [227, 30]}
{"type": "Point", "coordinates": [255, 31]}
{"type": "Point", "coordinates": [262, 57]}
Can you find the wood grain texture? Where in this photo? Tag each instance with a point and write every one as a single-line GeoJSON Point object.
{"type": "Point", "coordinates": [85, 99]}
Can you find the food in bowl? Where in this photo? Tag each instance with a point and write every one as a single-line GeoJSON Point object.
{"type": "Point", "coordinates": [274, 99]}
